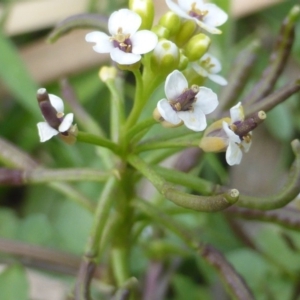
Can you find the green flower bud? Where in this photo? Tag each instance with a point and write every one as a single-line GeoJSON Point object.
{"type": "Point", "coordinates": [193, 77]}
{"type": "Point", "coordinates": [170, 21]}
{"type": "Point", "coordinates": [144, 8]}
{"type": "Point", "coordinates": [196, 46]}
{"type": "Point", "coordinates": [185, 32]}
{"type": "Point", "coordinates": [165, 57]}
{"type": "Point", "coordinates": [161, 31]}
{"type": "Point", "coordinates": [183, 61]}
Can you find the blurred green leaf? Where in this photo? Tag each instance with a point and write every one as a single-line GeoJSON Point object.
{"type": "Point", "coordinates": [9, 223]}
{"type": "Point", "coordinates": [185, 288]}
{"type": "Point", "coordinates": [35, 229]}
{"type": "Point", "coordinates": [17, 78]}
{"type": "Point", "coordinates": [14, 284]}
{"type": "Point", "coordinates": [72, 225]}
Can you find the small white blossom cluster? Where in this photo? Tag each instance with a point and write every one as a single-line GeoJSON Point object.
{"type": "Point", "coordinates": [183, 105]}
{"type": "Point", "coordinates": [125, 44]}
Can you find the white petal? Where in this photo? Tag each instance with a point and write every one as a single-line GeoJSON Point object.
{"type": "Point", "coordinates": [126, 19]}
{"type": "Point", "coordinates": [178, 10]}
{"type": "Point", "coordinates": [186, 5]}
{"type": "Point", "coordinates": [217, 79]}
{"type": "Point", "coordinates": [246, 146]}
{"type": "Point", "coordinates": [233, 154]}
{"type": "Point", "coordinates": [167, 112]}
{"type": "Point", "coordinates": [201, 71]}
{"type": "Point", "coordinates": [207, 100]}
{"type": "Point", "coordinates": [216, 65]}
{"type": "Point", "coordinates": [143, 41]}
{"type": "Point", "coordinates": [237, 113]}
{"type": "Point", "coordinates": [194, 120]}
{"type": "Point", "coordinates": [207, 27]}
{"type": "Point", "coordinates": [215, 17]}
{"type": "Point", "coordinates": [66, 123]}
{"type": "Point", "coordinates": [175, 85]}
{"type": "Point", "coordinates": [57, 103]}
{"type": "Point", "coordinates": [232, 137]}
{"type": "Point", "coordinates": [102, 40]}
{"type": "Point", "coordinates": [124, 58]}
{"type": "Point", "coordinates": [46, 132]}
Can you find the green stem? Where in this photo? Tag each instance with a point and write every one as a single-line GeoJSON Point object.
{"type": "Point", "coordinates": [231, 279]}
{"type": "Point", "coordinates": [38, 176]}
{"type": "Point", "coordinates": [146, 124]}
{"type": "Point", "coordinates": [139, 101]}
{"type": "Point", "coordinates": [120, 265]}
{"type": "Point", "coordinates": [180, 143]}
{"type": "Point", "coordinates": [195, 183]}
{"type": "Point", "coordinates": [99, 141]}
{"type": "Point", "coordinates": [287, 194]}
{"type": "Point", "coordinates": [169, 191]}
{"type": "Point", "coordinates": [89, 261]}
{"type": "Point", "coordinates": [117, 108]}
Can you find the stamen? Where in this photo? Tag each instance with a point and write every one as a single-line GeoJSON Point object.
{"type": "Point", "coordinates": [184, 101]}
{"type": "Point", "coordinates": [122, 41]}
{"type": "Point", "coordinates": [197, 13]}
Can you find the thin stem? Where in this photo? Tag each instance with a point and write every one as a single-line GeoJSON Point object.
{"type": "Point", "coordinates": [168, 190]}
{"type": "Point", "coordinates": [232, 281]}
{"type": "Point", "coordinates": [180, 143]}
{"type": "Point", "coordinates": [278, 58]}
{"type": "Point", "coordinates": [285, 217]}
{"type": "Point", "coordinates": [38, 176]}
{"type": "Point", "coordinates": [88, 264]}
{"type": "Point", "coordinates": [273, 99]}
{"type": "Point", "coordinates": [139, 101]}
{"type": "Point", "coordinates": [117, 108]}
{"type": "Point", "coordinates": [285, 195]}
{"type": "Point", "coordinates": [195, 183]}
{"type": "Point", "coordinates": [98, 141]}
{"type": "Point", "coordinates": [146, 124]}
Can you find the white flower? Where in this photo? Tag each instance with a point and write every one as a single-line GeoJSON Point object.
{"type": "Point", "coordinates": [63, 123]}
{"type": "Point", "coordinates": [209, 66]}
{"type": "Point", "coordinates": [184, 104]}
{"type": "Point", "coordinates": [208, 16]}
{"type": "Point", "coordinates": [235, 144]}
{"type": "Point", "coordinates": [126, 43]}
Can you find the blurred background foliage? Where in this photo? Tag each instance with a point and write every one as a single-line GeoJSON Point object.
{"type": "Point", "coordinates": [265, 254]}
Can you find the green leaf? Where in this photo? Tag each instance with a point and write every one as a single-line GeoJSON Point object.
{"type": "Point", "coordinates": [17, 78]}
{"type": "Point", "coordinates": [14, 284]}
{"type": "Point", "coordinates": [73, 226]}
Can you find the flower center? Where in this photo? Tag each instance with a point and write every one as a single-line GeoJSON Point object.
{"type": "Point", "coordinates": [207, 64]}
{"type": "Point", "coordinates": [197, 13]}
{"type": "Point", "coordinates": [122, 41]}
{"type": "Point", "coordinates": [184, 101]}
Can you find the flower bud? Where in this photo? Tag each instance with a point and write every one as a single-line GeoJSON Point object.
{"type": "Point", "coordinates": [145, 9]}
{"type": "Point", "coordinates": [170, 21]}
{"type": "Point", "coordinates": [157, 117]}
{"type": "Point", "coordinates": [107, 73]}
{"type": "Point", "coordinates": [71, 136]}
{"type": "Point", "coordinates": [185, 32]}
{"type": "Point", "coordinates": [165, 57]}
{"type": "Point", "coordinates": [196, 46]}
{"type": "Point", "coordinates": [161, 31]}
{"type": "Point", "coordinates": [183, 61]}
{"type": "Point", "coordinates": [214, 138]}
